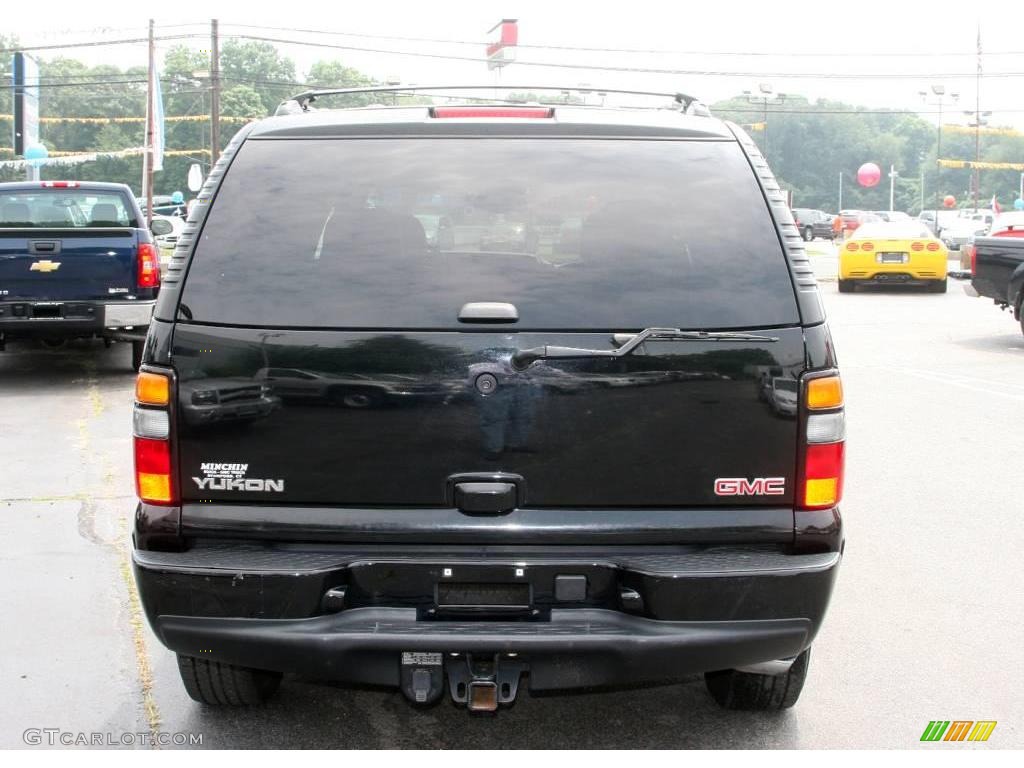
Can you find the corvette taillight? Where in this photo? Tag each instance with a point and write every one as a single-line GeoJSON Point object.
{"type": "Point", "coordinates": [852, 246]}
{"type": "Point", "coordinates": [917, 246]}
{"type": "Point", "coordinates": [151, 429]}
{"type": "Point", "coordinates": [820, 481]}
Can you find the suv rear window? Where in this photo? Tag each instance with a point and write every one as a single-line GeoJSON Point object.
{"type": "Point", "coordinates": [576, 233]}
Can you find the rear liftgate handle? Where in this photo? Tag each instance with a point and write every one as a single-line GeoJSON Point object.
{"type": "Point", "coordinates": [485, 498]}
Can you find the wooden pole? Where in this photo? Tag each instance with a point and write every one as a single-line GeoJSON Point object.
{"type": "Point", "coordinates": [214, 92]}
{"type": "Point", "coordinates": [150, 121]}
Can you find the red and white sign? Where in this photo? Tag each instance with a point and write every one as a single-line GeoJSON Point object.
{"type": "Point", "coordinates": [503, 52]}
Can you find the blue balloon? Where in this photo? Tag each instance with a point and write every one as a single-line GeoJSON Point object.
{"type": "Point", "coordinates": [177, 198]}
{"type": "Point", "coordinates": [36, 154]}
{"type": "Point", "coordinates": [1018, 204]}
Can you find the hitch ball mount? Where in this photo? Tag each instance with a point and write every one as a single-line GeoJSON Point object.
{"type": "Point", "coordinates": [481, 683]}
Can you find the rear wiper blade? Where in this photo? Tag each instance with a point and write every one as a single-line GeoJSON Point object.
{"type": "Point", "coordinates": [524, 358]}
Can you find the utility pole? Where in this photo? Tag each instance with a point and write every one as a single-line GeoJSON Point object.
{"type": "Point", "coordinates": [841, 192]}
{"type": "Point", "coordinates": [147, 180]}
{"type": "Point", "coordinates": [214, 92]}
{"type": "Point", "coordinates": [892, 187]}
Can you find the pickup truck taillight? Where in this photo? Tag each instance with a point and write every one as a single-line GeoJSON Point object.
{"type": "Point", "coordinates": [820, 481]}
{"type": "Point", "coordinates": [151, 428]}
{"type": "Point", "coordinates": [148, 266]}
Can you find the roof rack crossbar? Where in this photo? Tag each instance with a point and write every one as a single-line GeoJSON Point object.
{"type": "Point", "coordinates": [306, 98]}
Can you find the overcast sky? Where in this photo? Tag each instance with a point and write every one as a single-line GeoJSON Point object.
{"type": "Point", "coordinates": [803, 48]}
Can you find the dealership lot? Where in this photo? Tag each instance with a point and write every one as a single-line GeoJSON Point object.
{"type": "Point", "coordinates": [921, 625]}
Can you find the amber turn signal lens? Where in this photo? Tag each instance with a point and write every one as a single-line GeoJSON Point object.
{"type": "Point", "coordinates": [826, 392]}
{"type": "Point", "coordinates": [152, 389]}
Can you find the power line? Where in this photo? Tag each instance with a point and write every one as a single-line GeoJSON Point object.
{"type": "Point", "coordinates": [651, 51]}
{"type": "Point", "coordinates": [93, 43]}
{"type": "Point", "coordinates": [637, 70]}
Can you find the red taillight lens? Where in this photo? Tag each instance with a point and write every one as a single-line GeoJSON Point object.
{"type": "Point", "coordinates": [868, 246]}
{"type": "Point", "coordinates": [59, 184]}
{"type": "Point", "coordinates": [820, 481]}
{"type": "Point", "coordinates": [974, 260]}
{"type": "Point", "coordinates": [933, 246]}
{"type": "Point", "coordinates": [821, 485]}
{"type": "Point", "coordinates": [852, 247]}
{"type": "Point", "coordinates": [153, 482]}
{"type": "Point", "coordinates": [917, 246]}
{"type": "Point", "coordinates": [517, 112]}
{"type": "Point", "coordinates": [148, 266]}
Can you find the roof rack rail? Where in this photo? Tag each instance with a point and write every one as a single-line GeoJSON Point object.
{"type": "Point", "coordinates": [301, 102]}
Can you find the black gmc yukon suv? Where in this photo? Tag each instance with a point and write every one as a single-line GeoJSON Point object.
{"type": "Point", "coordinates": [479, 397]}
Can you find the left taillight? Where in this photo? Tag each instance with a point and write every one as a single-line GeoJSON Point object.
{"type": "Point", "coordinates": [151, 429]}
{"type": "Point", "coordinates": [820, 483]}
{"type": "Point", "coordinates": [148, 268]}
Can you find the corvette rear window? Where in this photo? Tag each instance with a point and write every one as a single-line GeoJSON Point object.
{"type": "Point", "coordinates": [576, 233]}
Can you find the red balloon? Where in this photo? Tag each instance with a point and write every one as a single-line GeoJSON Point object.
{"type": "Point", "coordinates": [869, 174]}
{"type": "Point", "coordinates": [949, 201]}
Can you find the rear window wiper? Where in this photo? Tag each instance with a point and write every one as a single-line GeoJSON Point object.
{"type": "Point", "coordinates": [527, 357]}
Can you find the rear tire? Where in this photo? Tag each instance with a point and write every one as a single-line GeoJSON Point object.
{"type": "Point", "coordinates": [846, 286]}
{"type": "Point", "coordinates": [939, 286]}
{"type": "Point", "coordinates": [225, 685]}
{"type": "Point", "coordinates": [137, 349]}
{"type": "Point", "coordinates": [808, 234]}
{"type": "Point", "coordinates": [745, 690]}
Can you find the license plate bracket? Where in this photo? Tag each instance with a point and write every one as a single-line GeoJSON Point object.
{"type": "Point", "coordinates": [891, 257]}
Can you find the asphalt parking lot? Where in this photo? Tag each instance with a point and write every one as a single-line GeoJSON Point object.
{"type": "Point", "coordinates": [923, 624]}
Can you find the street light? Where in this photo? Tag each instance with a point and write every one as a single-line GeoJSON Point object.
{"type": "Point", "coordinates": [765, 97]}
{"type": "Point", "coordinates": [940, 101]}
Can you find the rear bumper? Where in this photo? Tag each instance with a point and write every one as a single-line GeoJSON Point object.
{"type": "Point", "coordinates": [69, 319]}
{"type": "Point", "coordinates": [695, 609]}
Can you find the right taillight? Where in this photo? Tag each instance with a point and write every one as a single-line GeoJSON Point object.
{"type": "Point", "coordinates": [151, 428]}
{"type": "Point", "coordinates": [820, 483]}
{"type": "Point", "coordinates": [148, 267]}
{"type": "Point", "coordinates": [852, 246]}
{"type": "Point", "coordinates": [974, 259]}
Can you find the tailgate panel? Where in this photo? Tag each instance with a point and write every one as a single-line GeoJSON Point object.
{"type": "Point", "coordinates": [364, 418]}
{"type": "Point", "coordinates": [88, 264]}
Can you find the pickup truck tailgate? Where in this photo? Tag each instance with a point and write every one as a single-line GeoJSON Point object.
{"type": "Point", "coordinates": [63, 264]}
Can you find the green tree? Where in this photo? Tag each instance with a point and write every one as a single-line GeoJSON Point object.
{"type": "Point", "coordinates": [260, 66]}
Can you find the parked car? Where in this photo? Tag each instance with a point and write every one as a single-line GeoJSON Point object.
{"type": "Point", "coordinates": [518, 531]}
{"type": "Point", "coordinates": [892, 215]}
{"type": "Point", "coordinates": [961, 229]}
{"type": "Point", "coordinates": [812, 223]}
{"type": "Point", "coordinates": [937, 220]}
{"type": "Point", "coordinates": [76, 261]}
{"type": "Point", "coordinates": [902, 252]}
{"type": "Point", "coordinates": [850, 220]}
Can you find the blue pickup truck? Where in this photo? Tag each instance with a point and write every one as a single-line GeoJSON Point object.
{"type": "Point", "coordinates": [76, 261]}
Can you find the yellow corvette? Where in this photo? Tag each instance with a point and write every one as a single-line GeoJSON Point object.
{"type": "Point", "coordinates": [903, 252]}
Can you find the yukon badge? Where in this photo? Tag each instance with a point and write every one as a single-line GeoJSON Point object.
{"type": "Point", "coordinates": [232, 477]}
{"type": "Point", "coordinates": [759, 486]}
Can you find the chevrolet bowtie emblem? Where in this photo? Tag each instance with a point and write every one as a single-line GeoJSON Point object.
{"type": "Point", "coordinates": [45, 266]}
